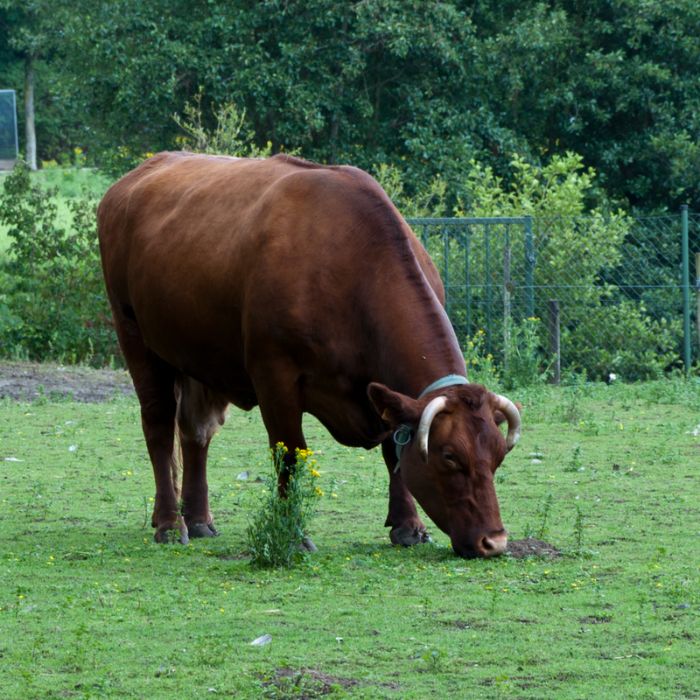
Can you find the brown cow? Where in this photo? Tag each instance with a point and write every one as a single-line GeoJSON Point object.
{"type": "Point", "coordinates": [296, 287]}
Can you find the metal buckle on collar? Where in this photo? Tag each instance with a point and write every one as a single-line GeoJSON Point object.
{"type": "Point", "coordinates": [402, 436]}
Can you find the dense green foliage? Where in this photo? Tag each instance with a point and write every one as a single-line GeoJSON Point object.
{"type": "Point", "coordinates": [90, 607]}
{"type": "Point", "coordinates": [422, 86]}
{"type": "Point", "coordinates": [603, 329]}
{"type": "Point", "coordinates": [52, 299]}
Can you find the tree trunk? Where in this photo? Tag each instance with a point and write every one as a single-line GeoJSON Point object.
{"type": "Point", "coordinates": [30, 131]}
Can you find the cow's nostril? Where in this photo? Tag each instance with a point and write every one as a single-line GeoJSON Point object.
{"type": "Point", "coordinates": [488, 544]}
{"type": "Point", "coordinates": [492, 546]}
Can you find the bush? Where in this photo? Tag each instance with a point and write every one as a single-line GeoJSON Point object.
{"type": "Point", "coordinates": [628, 343]}
{"type": "Point", "coordinates": [524, 362]}
{"type": "Point", "coordinates": [52, 300]}
{"type": "Point", "coordinates": [228, 136]}
{"type": "Point", "coordinates": [577, 250]}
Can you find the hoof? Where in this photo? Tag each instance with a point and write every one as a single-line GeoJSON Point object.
{"type": "Point", "coordinates": [172, 535]}
{"type": "Point", "coordinates": [407, 536]}
{"type": "Point", "coordinates": [202, 530]}
{"type": "Point", "coordinates": [306, 545]}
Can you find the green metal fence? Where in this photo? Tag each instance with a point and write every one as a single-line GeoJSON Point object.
{"type": "Point", "coordinates": [620, 291]}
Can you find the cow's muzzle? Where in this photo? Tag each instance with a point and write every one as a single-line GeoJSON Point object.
{"type": "Point", "coordinates": [491, 545]}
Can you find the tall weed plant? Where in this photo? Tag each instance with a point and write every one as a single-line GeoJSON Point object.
{"type": "Point", "coordinates": [525, 363]}
{"type": "Point", "coordinates": [279, 529]}
{"type": "Point", "coordinates": [52, 300]}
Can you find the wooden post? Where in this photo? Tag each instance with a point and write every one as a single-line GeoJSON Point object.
{"type": "Point", "coordinates": [29, 130]}
{"type": "Point", "coordinates": [506, 306]}
{"type": "Point", "coordinates": [554, 339]}
{"type": "Point", "coordinates": [697, 300]}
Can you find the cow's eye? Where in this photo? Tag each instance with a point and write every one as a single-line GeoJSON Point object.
{"type": "Point", "coordinates": [450, 459]}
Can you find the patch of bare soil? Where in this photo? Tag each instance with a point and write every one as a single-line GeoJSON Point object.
{"type": "Point", "coordinates": [530, 547]}
{"type": "Point", "coordinates": [306, 683]}
{"type": "Point", "coordinates": [28, 381]}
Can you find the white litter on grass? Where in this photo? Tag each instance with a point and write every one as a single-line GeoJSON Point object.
{"type": "Point", "coordinates": [696, 431]}
{"type": "Point", "coordinates": [72, 448]}
{"type": "Point", "coordinates": [13, 459]}
{"type": "Point", "coordinates": [261, 641]}
{"type": "Point", "coordinates": [243, 476]}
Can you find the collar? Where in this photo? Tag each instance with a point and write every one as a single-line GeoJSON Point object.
{"type": "Point", "coordinates": [404, 433]}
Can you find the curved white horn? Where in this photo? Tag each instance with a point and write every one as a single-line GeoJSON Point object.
{"type": "Point", "coordinates": [510, 411]}
{"type": "Point", "coordinates": [431, 410]}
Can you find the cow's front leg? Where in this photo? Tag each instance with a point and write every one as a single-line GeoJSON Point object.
{"type": "Point", "coordinates": [406, 526]}
{"type": "Point", "coordinates": [279, 397]}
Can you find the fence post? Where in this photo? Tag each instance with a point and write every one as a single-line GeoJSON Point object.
{"type": "Point", "coordinates": [488, 290]}
{"type": "Point", "coordinates": [506, 302]}
{"type": "Point", "coordinates": [697, 295]}
{"type": "Point", "coordinates": [446, 269]}
{"type": "Point", "coordinates": [554, 339]}
{"type": "Point", "coordinates": [468, 282]}
{"type": "Point", "coordinates": [529, 269]}
{"type": "Point", "coordinates": [686, 288]}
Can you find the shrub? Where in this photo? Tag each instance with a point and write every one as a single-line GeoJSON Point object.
{"type": "Point", "coordinates": [577, 249]}
{"type": "Point", "coordinates": [628, 342]}
{"type": "Point", "coordinates": [524, 362]}
{"type": "Point", "coordinates": [481, 367]}
{"type": "Point", "coordinates": [52, 300]}
{"type": "Point", "coordinates": [430, 200]}
{"type": "Point", "coordinates": [228, 136]}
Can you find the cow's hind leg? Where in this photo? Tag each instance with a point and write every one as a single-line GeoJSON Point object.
{"type": "Point", "coordinates": [406, 526]}
{"type": "Point", "coordinates": [200, 413]}
{"type": "Point", "coordinates": [154, 381]}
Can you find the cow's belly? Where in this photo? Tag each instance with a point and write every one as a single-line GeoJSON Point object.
{"type": "Point", "coordinates": [207, 349]}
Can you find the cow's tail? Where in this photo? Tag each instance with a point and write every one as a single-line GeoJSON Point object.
{"type": "Point", "coordinates": [176, 464]}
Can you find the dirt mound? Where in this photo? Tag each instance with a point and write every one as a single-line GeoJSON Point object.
{"type": "Point", "coordinates": [530, 547]}
{"type": "Point", "coordinates": [27, 381]}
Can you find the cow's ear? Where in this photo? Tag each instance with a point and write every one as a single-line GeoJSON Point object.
{"type": "Point", "coordinates": [394, 408]}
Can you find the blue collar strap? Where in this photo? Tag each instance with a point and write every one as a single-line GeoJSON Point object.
{"type": "Point", "coordinates": [404, 433]}
{"type": "Point", "coordinates": [449, 380]}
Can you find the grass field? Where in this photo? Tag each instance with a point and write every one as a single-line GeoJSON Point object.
{"type": "Point", "coordinates": [91, 608]}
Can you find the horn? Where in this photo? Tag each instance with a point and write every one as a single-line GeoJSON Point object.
{"type": "Point", "coordinates": [431, 410]}
{"type": "Point", "coordinates": [510, 411]}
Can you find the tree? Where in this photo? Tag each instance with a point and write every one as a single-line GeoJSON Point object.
{"type": "Point", "coordinates": [614, 81]}
{"type": "Point", "coordinates": [421, 86]}
{"type": "Point", "coordinates": [26, 40]}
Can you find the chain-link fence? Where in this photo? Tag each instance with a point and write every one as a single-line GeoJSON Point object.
{"type": "Point", "coordinates": [604, 295]}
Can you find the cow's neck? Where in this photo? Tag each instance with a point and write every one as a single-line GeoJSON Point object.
{"type": "Point", "coordinates": [418, 344]}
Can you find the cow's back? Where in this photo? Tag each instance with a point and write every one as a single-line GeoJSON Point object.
{"type": "Point", "coordinates": [221, 261]}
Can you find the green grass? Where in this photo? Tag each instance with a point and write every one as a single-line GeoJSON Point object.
{"type": "Point", "coordinates": [91, 608]}
{"type": "Point", "coordinates": [70, 183]}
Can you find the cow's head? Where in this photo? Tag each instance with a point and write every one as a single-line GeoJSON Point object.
{"type": "Point", "coordinates": [448, 464]}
